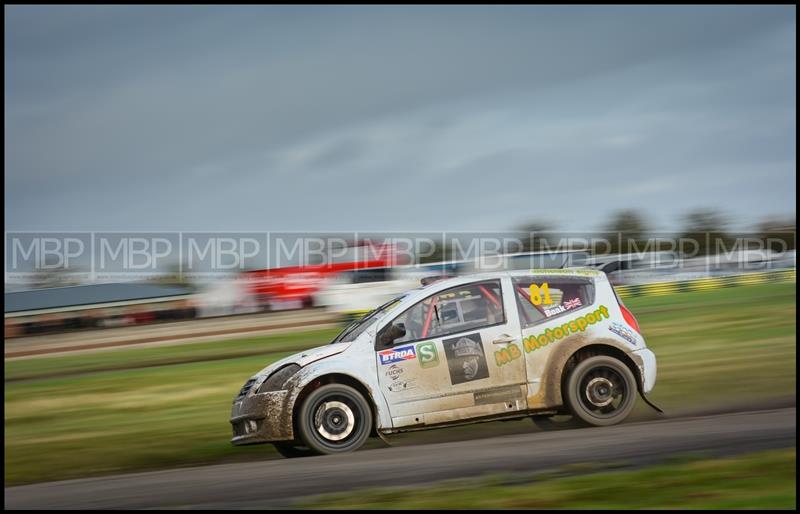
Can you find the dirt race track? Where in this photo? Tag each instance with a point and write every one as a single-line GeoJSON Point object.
{"type": "Point", "coordinates": [274, 483]}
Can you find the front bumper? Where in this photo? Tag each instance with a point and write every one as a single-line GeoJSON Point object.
{"type": "Point", "coordinates": [262, 418]}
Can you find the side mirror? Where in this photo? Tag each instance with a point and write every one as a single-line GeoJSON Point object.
{"type": "Point", "coordinates": [392, 332]}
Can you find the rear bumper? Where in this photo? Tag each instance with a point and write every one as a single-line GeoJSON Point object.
{"type": "Point", "coordinates": [262, 418]}
{"type": "Point", "coordinates": [648, 369]}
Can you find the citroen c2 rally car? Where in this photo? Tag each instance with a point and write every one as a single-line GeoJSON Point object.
{"type": "Point", "coordinates": [504, 345]}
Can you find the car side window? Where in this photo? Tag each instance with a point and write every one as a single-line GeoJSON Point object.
{"type": "Point", "coordinates": [543, 298]}
{"type": "Point", "coordinates": [453, 310]}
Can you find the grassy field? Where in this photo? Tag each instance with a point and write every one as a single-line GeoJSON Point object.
{"type": "Point", "coordinates": [130, 358]}
{"type": "Point", "coordinates": [764, 480]}
{"type": "Point", "coordinates": [725, 345]}
{"type": "Point", "coordinates": [73, 416]}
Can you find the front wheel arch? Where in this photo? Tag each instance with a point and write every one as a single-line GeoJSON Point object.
{"type": "Point", "coordinates": [334, 418]}
{"type": "Point", "coordinates": [336, 378]}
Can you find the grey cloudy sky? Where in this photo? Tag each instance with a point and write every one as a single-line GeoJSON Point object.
{"type": "Point", "coordinates": [395, 117]}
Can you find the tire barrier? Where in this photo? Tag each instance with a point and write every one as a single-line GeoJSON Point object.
{"type": "Point", "coordinates": [706, 283]}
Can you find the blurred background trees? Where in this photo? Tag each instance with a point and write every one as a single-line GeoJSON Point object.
{"type": "Point", "coordinates": [627, 232]}
{"type": "Point", "coordinates": [707, 228]}
{"type": "Point", "coordinates": [538, 236]}
{"type": "Point", "coordinates": [778, 234]}
{"type": "Point", "coordinates": [705, 231]}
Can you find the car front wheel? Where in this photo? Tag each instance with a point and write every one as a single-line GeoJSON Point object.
{"type": "Point", "coordinates": [334, 419]}
{"type": "Point", "coordinates": [601, 391]}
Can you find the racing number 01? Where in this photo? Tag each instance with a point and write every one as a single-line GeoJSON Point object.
{"type": "Point", "coordinates": [538, 292]}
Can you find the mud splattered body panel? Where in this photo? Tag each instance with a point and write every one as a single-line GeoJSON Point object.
{"type": "Point", "coordinates": [262, 418]}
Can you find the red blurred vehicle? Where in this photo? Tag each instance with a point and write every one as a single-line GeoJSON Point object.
{"type": "Point", "coordinates": [294, 287]}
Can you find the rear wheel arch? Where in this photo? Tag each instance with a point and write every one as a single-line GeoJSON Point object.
{"type": "Point", "coordinates": [600, 390]}
{"type": "Point", "coordinates": [601, 349]}
{"type": "Point", "coordinates": [570, 355]}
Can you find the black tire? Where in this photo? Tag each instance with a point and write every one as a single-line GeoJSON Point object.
{"type": "Point", "coordinates": [334, 419]}
{"type": "Point", "coordinates": [548, 423]}
{"type": "Point", "coordinates": [601, 391]}
{"type": "Point", "coordinates": [291, 451]}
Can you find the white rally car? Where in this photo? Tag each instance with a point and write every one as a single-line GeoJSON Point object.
{"type": "Point", "coordinates": [503, 345]}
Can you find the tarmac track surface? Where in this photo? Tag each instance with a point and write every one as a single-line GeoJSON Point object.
{"type": "Point", "coordinates": [274, 483]}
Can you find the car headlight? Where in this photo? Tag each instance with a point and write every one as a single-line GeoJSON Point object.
{"type": "Point", "coordinates": [277, 379]}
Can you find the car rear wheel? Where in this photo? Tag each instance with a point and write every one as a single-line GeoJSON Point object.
{"type": "Point", "coordinates": [601, 391]}
{"type": "Point", "coordinates": [334, 419]}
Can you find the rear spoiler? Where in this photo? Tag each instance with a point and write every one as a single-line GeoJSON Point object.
{"type": "Point", "coordinates": [611, 266]}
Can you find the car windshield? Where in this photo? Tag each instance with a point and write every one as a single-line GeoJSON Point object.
{"type": "Point", "coordinates": [358, 326]}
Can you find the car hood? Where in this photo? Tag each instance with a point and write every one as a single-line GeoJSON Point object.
{"type": "Point", "coordinates": [306, 357]}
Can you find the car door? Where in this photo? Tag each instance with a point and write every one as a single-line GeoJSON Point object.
{"type": "Point", "coordinates": [460, 358]}
{"type": "Point", "coordinates": [550, 308]}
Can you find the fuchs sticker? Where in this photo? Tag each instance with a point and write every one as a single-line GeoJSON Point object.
{"type": "Point", "coordinates": [404, 353]}
{"type": "Point", "coordinates": [394, 372]}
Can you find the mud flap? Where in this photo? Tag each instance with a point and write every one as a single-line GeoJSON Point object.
{"type": "Point", "coordinates": [651, 404]}
{"type": "Point", "coordinates": [383, 438]}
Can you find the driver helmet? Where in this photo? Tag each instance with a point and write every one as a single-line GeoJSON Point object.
{"type": "Point", "coordinates": [466, 347]}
